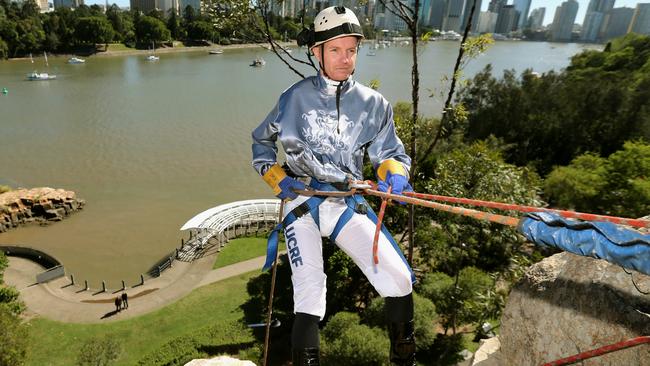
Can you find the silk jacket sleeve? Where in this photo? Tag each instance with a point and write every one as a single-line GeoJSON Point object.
{"type": "Point", "coordinates": [264, 142]}
{"type": "Point", "coordinates": [386, 145]}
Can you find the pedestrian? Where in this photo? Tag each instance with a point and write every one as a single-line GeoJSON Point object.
{"type": "Point", "coordinates": [118, 304]}
{"type": "Point", "coordinates": [326, 123]}
{"type": "Point", "coordinates": [125, 300]}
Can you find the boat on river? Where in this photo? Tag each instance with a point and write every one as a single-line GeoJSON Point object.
{"type": "Point", "coordinates": [215, 52]}
{"type": "Point", "coordinates": [76, 60]}
{"type": "Point", "coordinates": [258, 62]}
{"type": "Point", "coordinates": [37, 76]}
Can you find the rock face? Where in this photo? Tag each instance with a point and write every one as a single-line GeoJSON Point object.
{"type": "Point", "coordinates": [567, 304]}
{"type": "Point", "coordinates": [36, 205]}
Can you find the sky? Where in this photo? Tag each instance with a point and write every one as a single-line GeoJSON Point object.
{"type": "Point", "coordinates": [550, 6]}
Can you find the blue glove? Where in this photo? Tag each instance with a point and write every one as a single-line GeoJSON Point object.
{"type": "Point", "coordinates": [287, 185]}
{"type": "Point", "coordinates": [397, 181]}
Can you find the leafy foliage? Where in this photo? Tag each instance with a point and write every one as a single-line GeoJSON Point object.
{"type": "Point", "coordinates": [600, 101]}
{"type": "Point", "coordinates": [615, 185]}
{"type": "Point", "coordinates": [347, 342]}
{"type": "Point", "coordinates": [13, 338]}
{"type": "Point", "coordinates": [457, 303]}
{"type": "Point", "coordinates": [478, 172]}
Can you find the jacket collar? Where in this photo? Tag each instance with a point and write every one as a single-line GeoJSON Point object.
{"type": "Point", "coordinates": [328, 86]}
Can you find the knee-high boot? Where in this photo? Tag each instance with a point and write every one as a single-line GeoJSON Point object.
{"type": "Point", "coordinates": [399, 313]}
{"type": "Point", "coordinates": [305, 340]}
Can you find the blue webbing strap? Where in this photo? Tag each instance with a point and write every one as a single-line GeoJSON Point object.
{"type": "Point", "coordinates": [272, 243]}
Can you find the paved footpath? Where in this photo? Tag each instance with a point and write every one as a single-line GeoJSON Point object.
{"type": "Point", "coordinates": [61, 301]}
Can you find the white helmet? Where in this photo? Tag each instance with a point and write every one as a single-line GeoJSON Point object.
{"type": "Point", "coordinates": [334, 22]}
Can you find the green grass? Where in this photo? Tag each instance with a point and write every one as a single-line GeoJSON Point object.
{"type": "Point", "coordinates": [241, 249]}
{"type": "Point", "coordinates": [118, 47]}
{"type": "Point", "coordinates": [215, 306]}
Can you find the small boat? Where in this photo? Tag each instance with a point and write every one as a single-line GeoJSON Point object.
{"type": "Point", "coordinates": [215, 52]}
{"type": "Point", "coordinates": [36, 76]}
{"type": "Point", "coordinates": [258, 62]}
{"type": "Point", "coordinates": [76, 60]}
{"type": "Point", "coordinates": [372, 52]}
{"type": "Point", "coordinates": [152, 56]}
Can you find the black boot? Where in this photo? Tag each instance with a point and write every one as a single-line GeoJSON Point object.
{"type": "Point", "coordinates": [399, 314]}
{"type": "Point", "coordinates": [402, 343]}
{"type": "Point", "coordinates": [305, 340]}
{"type": "Point", "coordinates": [305, 356]}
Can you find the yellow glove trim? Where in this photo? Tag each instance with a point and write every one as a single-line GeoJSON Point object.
{"type": "Point", "coordinates": [273, 176]}
{"type": "Point", "coordinates": [390, 165]}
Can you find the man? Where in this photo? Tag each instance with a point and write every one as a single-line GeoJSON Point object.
{"type": "Point", "coordinates": [326, 123]}
{"type": "Point", "coordinates": [125, 300]}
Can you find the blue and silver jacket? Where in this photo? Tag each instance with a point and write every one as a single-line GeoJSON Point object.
{"type": "Point", "coordinates": [325, 127]}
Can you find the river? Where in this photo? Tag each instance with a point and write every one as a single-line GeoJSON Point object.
{"type": "Point", "coordinates": [150, 144]}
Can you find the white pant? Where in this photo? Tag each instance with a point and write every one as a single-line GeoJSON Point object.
{"type": "Point", "coordinates": [391, 277]}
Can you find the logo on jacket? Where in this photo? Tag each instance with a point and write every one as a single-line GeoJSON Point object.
{"type": "Point", "coordinates": [321, 135]}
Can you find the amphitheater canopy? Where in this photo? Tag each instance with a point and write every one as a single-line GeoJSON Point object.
{"type": "Point", "coordinates": [221, 217]}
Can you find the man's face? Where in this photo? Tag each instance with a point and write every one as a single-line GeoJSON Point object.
{"type": "Point", "coordinates": [340, 57]}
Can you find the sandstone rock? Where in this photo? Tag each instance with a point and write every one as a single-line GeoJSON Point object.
{"type": "Point", "coordinates": [24, 206]}
{"type": "Point", "coordinates": [567, 304]}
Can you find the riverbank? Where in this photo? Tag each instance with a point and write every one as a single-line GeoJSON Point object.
{"type": "Point", "coordinates": [121, 50]}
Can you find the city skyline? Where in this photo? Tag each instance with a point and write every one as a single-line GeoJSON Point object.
{"type": "Point", "coordinates": [550, 6]}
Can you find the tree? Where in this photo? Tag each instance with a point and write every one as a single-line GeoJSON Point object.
{"type": "Point", "coordinates": [149, 29]}
{"type": "Point", "coordinates": [13, 338]}
{"type": "Point", "coordinates": [347, 342]}
{"type": "Point", "coordinates": [616, 185]}
{"type": "Point", "coordinates": [4, 49]}
{"type": "Point", "coordinates": [476, 171]}
{"type": "Point", "coordinates": [94, 30]}
{"type": "Point", "coordinates": [200, 30]}
{"type": "Point", "coordinates": [174, 25]}
{"type": "Point", "coordinates": [98, 351]}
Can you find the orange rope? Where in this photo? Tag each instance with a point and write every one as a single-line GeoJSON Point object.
{"type": "Point", "coordinates": [479, 215]}
{"type": "Point", "coordinates": [380, 218]}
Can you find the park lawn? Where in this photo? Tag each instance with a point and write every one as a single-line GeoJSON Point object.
{"type": "Point", "coordinates": [119, 47]}
{"type": "Point", "coordinates": [215, 306]}
{"type": "Point", "coordinates": [241, 249]}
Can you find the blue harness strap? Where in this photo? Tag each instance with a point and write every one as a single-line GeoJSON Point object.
{"type": "Point", "coordinates": [309, 206]}
{"type": "Point", "coordinates": [353, 202]}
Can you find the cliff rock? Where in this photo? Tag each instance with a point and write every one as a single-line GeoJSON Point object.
{"type": "Point", "coordinates": [36, 205]}
{"type": "Point", "coordinates": [567, 304]}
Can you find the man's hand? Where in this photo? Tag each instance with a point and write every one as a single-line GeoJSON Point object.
{"type": "Point", "coordinates": [287, 187]}
{"type": "Point", "coordinates": [397, 181]}
{"type": "Point", "coordinates": [283, 186]}
{"type": "Point", "coordinates": [392, 174]}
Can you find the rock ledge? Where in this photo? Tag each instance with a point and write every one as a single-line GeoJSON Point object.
{"type": "Point", "coordinates": [36, 205]}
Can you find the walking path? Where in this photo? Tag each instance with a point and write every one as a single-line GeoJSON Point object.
{"type": "Point", "coordinates": [61, 301]}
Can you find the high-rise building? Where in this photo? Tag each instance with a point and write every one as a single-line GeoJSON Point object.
{"type": "Point", "coordinates": [522, 7]}
{"type": "Point", "coordinates": [437, 13]}
{"type": "Point", "coordinates": [453, 15]}
{"type": "Point", "coordinates": [425, 12]}
{"type": "Point", "coordinates": [67, 3]}
{"type": "Point", "coordinates": [565, 16]}
{"type": "Point", "coordinates": [640, 19]}
{"type": "Point", "coordinates": [616, 23]}
{"type": "Point", "coordinates": [594, 18]}
{"type": "Point", "coordinates": [495, 5]}
{"type": "Point", "coordinates": [466, 13]}
{"type": "Point", "coordinates": [506, 20]}
{"type": "Point", "coordinates": [144, 6]}
{"type": "Point", "coordinates": [386, 19]}
{"type": "Point", "coordinates": [536, 20]}
{"type": "Point", "coordinates": [487, 22]}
